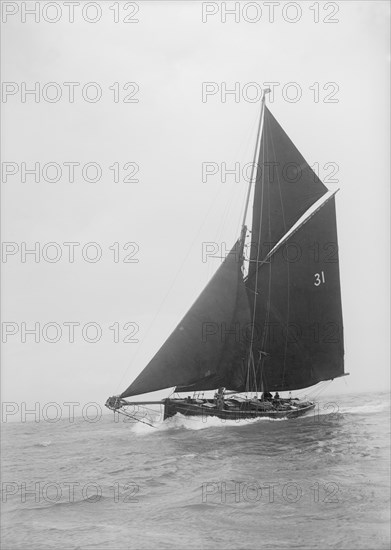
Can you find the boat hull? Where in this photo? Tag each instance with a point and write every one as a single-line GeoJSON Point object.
{"type": "Point", "coordinates": [245, 410]}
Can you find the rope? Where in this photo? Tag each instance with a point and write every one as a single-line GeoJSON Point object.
{"type": "Point", "coordinates": [317, 390]}
{"type": "Point", "coordinates": [134, 418]}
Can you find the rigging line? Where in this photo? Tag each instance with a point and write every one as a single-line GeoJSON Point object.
{"type": "Point", "coordinates": [259, 238]}
{"type": "Point", "coordinates": [237, 196]}
{"type": "Point", "coordinates": [317, 390]}
{"type": "Point", "coordinates": [238, 225]}
{"type": "Point", "coordinates": [254, 170]}
{"type": "Point", "coordinates": [223, 218]}
{"type": "Point", "coordinates": [229, 212]}
{"type": "Point", "coordinates": [227, 215]}
{"type": "Point", "coordinates": [287, 265]}
{"type": "Point", "coordinates": [243, 213]}
{"type": "Point", "coordinates": [134, 418]}
{"type": "Point", "coordinates": [259, 367]}
{"type": "Point", "coordinates": [255, 375]}
{"type": "Point", "coordinates": [323, 387]}
{"type": "Point", "coordinates": [220, 229]}
{"type": "Point", "coordinates": [170, 288]}
{"type": "Point", "coordinates": [254, 166]}
{"type": "Point", "coordinates": [243, 198]}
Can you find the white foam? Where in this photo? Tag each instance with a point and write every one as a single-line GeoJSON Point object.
{"type": "Point", "coordinates": [360, 409]}
{"type": "Point", "coordinates": [180, 421]}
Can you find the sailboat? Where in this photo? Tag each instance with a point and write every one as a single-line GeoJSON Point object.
{"type": "Point", "coordinates": [270, 319]}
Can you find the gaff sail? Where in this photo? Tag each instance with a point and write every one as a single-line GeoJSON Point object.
{"type": "Point", "coordinates": [295, 296]}
{"type": "Point", "coordinates": [298, 336]}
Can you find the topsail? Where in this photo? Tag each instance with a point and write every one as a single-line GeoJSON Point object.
{"type": "Point", "coordinates": [286, 187]}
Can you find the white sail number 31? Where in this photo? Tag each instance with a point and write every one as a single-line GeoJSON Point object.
{"type": "Point", "coordinates": [319, 278]}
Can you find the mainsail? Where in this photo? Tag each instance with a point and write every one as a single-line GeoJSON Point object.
{"type": "Point", "coordinates": [280, 328]}
{"type": "Point", "coordinates": [295, 299]}
{"type": "Point", "coordinates": [296, 304]}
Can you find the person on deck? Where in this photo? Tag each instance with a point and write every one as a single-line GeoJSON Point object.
{"type": "Point", "coordinates": [266, 396]}
{"type": "Point", "coordinates": [219, 397]}
{"type": "Point", "coordinates": [277, 395]}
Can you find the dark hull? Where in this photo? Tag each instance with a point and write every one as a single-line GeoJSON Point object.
{"type": "Point", "coordinates": [245, 410]}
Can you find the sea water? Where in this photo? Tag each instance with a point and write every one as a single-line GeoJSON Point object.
{"type": "Point", "coordinates": [315, 482]}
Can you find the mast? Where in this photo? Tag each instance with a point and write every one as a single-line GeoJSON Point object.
{"type": "Point", "coordinates": [281, 197]}
{"type": "Point", "coordinates": [254, 164]}
{"type": "Point", "coordinates": [250, 358]}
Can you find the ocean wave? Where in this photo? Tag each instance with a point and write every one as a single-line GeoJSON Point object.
{"type": "Point", "coordinates": [180, 484]}
{"type": "Point", "coordinates": [74, 503]}
{"type": "Point", "coordinates": [179, 422]}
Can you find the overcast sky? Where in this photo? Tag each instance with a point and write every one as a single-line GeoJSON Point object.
{"type": "Point", "coordinates": [338, 65]}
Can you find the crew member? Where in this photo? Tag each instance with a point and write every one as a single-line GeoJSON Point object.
{"type": "Point", "coordinates": [219, 396]}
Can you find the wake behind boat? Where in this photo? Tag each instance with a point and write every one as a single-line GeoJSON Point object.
{"type": "Point", "coordinates": [270, 319]}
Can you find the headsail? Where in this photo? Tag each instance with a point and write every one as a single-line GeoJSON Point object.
{"type": "Point", "coordinates": [192, 355]}
{"type": "Point", "coordinates": [297, 308]}
{"type": "Point", "coordinates": [285, 189]}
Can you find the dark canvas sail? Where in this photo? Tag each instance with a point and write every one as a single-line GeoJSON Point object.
{"type": "Point", "coordinates": [298, 314]}
{"type": "Point", "coordinates": [285, 188]}
{"type": "Point", "coordinates": [281, 328]}
{"type": "Point", "coordinates": [230, 369]}
{"type": "Point", "coordinates": [192, 355]}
